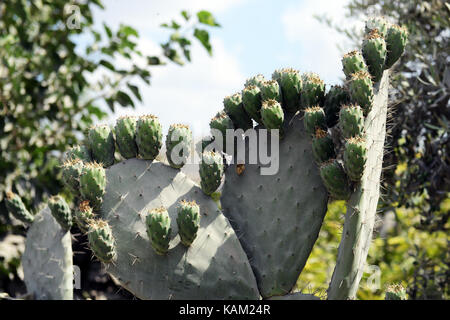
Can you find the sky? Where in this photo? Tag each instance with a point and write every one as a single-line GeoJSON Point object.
{"type": "Point", "coordinates": [256, 36]}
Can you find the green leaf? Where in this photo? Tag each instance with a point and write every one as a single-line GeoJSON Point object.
{"type": "Point", "coordinates": [135, 91]}
{"type": "Point", "coordinates": [203, 37]}
{"type": "Point", "coordinates": [129, 31]}
{"type": "Point", "coordinates": [124, 99]}
{"type": "Point", "coordinates": [207, 18]}
{"type": "Point", "coordinates": [185, 15]}
{"type": "Point", "coordinates": [107, 65]}
{"type": "Point", "coordinates": [108, 30]}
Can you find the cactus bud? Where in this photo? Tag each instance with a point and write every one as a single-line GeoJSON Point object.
{"type": "Point", "coordinates": [188, 221]}
{"type": "Point", "coordinates": [395, 44]}
{"type": "Point", "coordinates": [313, 90]}
{"type": "Point", "coordinates": [102, 241]}
{"type": "Point", "coordinates": [101, 143]}
{"type": "Point", "coordinates": [314, 119]}
{"type": "Point", "coordinates": [17, 208]}
{"type": "Point", "coordinates": [178, 143]}
{"type": "Point", "coordinates": [125, 130]}
{"type": "Point", "coordinates": [291, 85]}
{"type": "Point", "coordinates": [61, 212]}
{"type": "Point", "coordinates": [335, 179]}
{"type": "Point", "coordinates": [81, 152]}
{"type": "Point", "coordinates": [361, 90]}
{"type": "Point", "coordinates": [353, 62]}
{"type": "Point", "coordinates": [255, 81]}
{"type": "Point", "coordinates": [83, 216]}
{"type": "Point", "coordinates": [374, 52]}
{"type": "Point", "coordinates": [211, 171]}
{"type": "Point", "coordinates": [71, 171]}
{"type": "Point", "coordinates": [322, 146]}
{"type": "Point", "coordinates": [395, 292]}
{"type": "Point", "coordinates": [351, 121]}
{"type": "Point", "coordinates": [235, 110]}
{"type": "Point", "coordinates": [93, 184]}
{"type": "Point", "coordinates": [336, 97]}
{"type": "Point", "coordinates": [270, 89]}
{"type": "Point", "coordinates": [355, 157]}
{"type": "Point", "coordinates": [222, 123]}
{"type": "Point", "coordinates": [377, 23]}
{"type": "Point", "coordinates": [158, 229]}
{"type": "Point", "coordinates": [251, 99]}
{"type": "Point", "coordinates": [272, 114]}
{"type": "Point", "coordinates": [148, 136]}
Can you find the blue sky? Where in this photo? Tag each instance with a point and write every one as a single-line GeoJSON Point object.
{"type": "Point", "coordinates": [257, 36]}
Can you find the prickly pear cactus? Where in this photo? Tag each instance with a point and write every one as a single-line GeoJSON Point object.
{"type": "Point", "coordinates": [47, 260]}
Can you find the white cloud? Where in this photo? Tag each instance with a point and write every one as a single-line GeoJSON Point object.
{"type": "Point", "coordinates": [318, 42]}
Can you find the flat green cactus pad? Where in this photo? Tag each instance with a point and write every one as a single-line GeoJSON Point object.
{"type": "Point", "coordinates": [47, 260]}
{"type": "Point", "coordinates": [278, 217]}
{"type": "Point", "coordinates": [213, 265]}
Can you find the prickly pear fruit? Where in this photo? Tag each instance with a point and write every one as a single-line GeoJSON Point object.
{"type": "Point", "coordinates": [158, 229]}
{"type": "Point", "coordinates": [291, 85]}
{"type": "Point", "coordinates": [188, 221]}
{"type": "Point", "coordinates": [71, 171]}
{"type": "Point", "coordinates": [125, 130]}
{"type": "Point", "coordinates": [352, 62]}
{"type": "Point", "coordinates": [335, 179]}
{"type": "Point", "coordinates": [351, 121]}
{"type": "Point", "coordinates": [148, 136]}
{"type": "Point", "coordinates": [61, 212]}
{"type": "Point", "coordinates": [395, 44]}
{"type": "Point", "coordinates": [377, 23]}
{"type": "Point", "coordinates": [335, 98]}
{"type": "Point", "coordinates": [270, 89]}
{"type": "Point", "coordinates": [355, 157]}
{"type": "Point", "coordinates": [314, 119]}
{"type": "Point", "coordinates": [222, 123]}
{"type": "Point", "coordinates": [211, 171]}
{"type": "Point", "coordinates": [235, 110]}
{"type": "Point", "coordinates": [272, 114]}
{"type": "Point", "coordinates": [361, 90]}
{"type": "Point", "coordinates": [322, 146]}
{"type": "Point", "coordinates": [17, 208]}
{"type": "Point", "coordinates": [313, 90]}
{"type": "Point", "coordinates": [395, 292]}
{"type": "Point", "coordinates": [251, 99]}
{"type": "Point", "coordinates": [101, 143]}
{"type": "Point", "coordinates": [81, 152]}
{"type": "Point", "coordinates": [83, 216]}
{"type": "Point", "coordinates": [102, 241]}
{"type": "Point", "coordinates": [276, 75]}
{"type": "Point", "coordinates": [256, 80]}
{"type": "Point", "coordinates": [374, 52]}
{"type": "Point", "coordinates": [178, 144]}
{"type": "Point", "coordinates": [93, 184]}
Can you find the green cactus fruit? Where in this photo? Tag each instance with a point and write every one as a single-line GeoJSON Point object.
{"type": "Point", "coordinates": [101, 143]}
{"type": "Point", "coordinates": [178, 144]}
{"type": "Point", "coordinates": [314, 119]}
{"type": "Point", "coordinates": [148, 136]}
{"type": "Point", "coordinates": [374, 52]}
{"type": "Point", "coordinates": [396, 39]}
{"type": "Point", "coordinates": [395, 292]}
{"type": "Point", "coordinates": [125, 130]}
{"type": "Point", "coordinates": [355, 157]}
{"type": "Point", "coordinates": [158, 229]}
{"type": "Point", "coordinates": [251, 99]}
{"type": "Point", "coordinates": [270, 89]}
{"type": "Point", "coordinates": [291, 85]}
{"type": "Point", "coordinates": [188, 221]}
{"type": "Point", "coordinates": [81, 152]}
{"type": "Point", "coordinates": [361, 90]}
{"type": "Point", "coordinates": [61, 212]}
{"type": "Point", "coordinates": [101, 241]}
{"type": "Point", "coordinates": [322, 146]}
{"type": "Point", "coordinates": [255, 81]}
{"type": "Point", "coordinates": [377, 23]}
{"type": "Point", "coordinates": [83, 216]}
{"type": "Point", "coordinates": [93, 184]}
{"type": "Point", "coordinates": [211, 171]}
{"type": "Point", "coordinates": [313, 90]}
{"type": "Point", "coordinates": [222, 123]}
{"type": "Point", "coordinates": [352, 62]}
{"type": "Point", "coordinates": [71, 171]}
{"type": "Point", "coordinates": [272, 114]}
{"type": "Point", "coordinates": [351, 121]}
{"type": "Point", "coordinates": [276, 75]}
{"type": "Point", "coordinates": [235, 110]}
{"type": "Point", "coordinates": [335, 179]}
{"type": "Point", "coordinates": [17, 208]}
{"type": "Point", "coordinates": [335, 98]}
